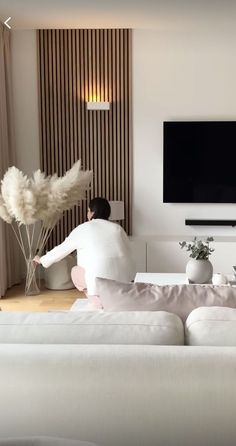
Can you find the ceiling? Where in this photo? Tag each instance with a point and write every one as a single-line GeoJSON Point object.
{"type": "Point", "coordinates": [35, 14]}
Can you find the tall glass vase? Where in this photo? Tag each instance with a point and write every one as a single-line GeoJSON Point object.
{"type": "Point", "coordinates": [31, 285]}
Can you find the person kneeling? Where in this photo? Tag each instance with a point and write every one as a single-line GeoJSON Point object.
{"type": "Point", "coordinates": [103, 250]}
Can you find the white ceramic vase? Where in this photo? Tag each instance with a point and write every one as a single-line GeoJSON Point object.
{"type": "Point", "coordinates": [199, 271]}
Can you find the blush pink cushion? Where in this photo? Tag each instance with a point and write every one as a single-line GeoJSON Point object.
{"type": "Point", "coordinates": [178, 299]}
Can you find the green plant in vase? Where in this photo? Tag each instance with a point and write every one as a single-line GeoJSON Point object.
{"type": "Point", "coordinates": [199, 269]}
{"type": "Point", "coordinates": [199, 250]}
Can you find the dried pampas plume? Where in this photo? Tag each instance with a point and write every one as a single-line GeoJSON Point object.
{"type": "Point", "coordinates": [56, 194]}
{"type": "Point", "coordinates": [26, 201]}
{"type": "Point", "coordinates": [4, 214]}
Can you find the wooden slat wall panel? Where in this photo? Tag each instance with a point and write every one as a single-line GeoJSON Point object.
{"type": "Point", "coordinates": [76, 66]}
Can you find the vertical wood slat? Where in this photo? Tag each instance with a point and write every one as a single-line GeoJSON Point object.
{"type": "Point", "coordinates": [81, 118]}
{"type": "Point", "coordinates": [129, 167]}
{"type": "Point", "coordinates": [76, 66]}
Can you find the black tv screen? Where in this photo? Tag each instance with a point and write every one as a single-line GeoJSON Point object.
{"type": "Point", "coordinates": [199, 162]}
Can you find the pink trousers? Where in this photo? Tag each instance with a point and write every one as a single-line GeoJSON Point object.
{"type": "Point", "coordinates": [78, 279]}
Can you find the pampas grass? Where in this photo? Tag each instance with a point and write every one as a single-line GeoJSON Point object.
{"type": "Point", "coordinates": [25, 201]}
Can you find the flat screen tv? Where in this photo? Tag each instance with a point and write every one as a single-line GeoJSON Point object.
{"type": "Point", "coordinates": [199, 162]}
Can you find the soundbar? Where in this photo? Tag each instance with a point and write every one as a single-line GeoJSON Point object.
{"type": "Point", "coordinates": [189, 222]}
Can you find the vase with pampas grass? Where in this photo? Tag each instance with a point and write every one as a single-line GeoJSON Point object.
{"type": "Point", "coordinates": [40, 200]}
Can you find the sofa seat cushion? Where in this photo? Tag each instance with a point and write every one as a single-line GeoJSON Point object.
{"type": "Point", "coordinates": [91, 328]}
{"type": "Point", "coordinates": [178, 299]}
{"type": "Point", "coordinates": [211, 326]}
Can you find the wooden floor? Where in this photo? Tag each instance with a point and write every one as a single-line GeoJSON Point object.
{"type": "Point", "coordinates": [15, 300]}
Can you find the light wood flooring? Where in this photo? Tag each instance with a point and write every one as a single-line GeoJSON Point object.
{"type": "Point", "coordinates": [15, 299]}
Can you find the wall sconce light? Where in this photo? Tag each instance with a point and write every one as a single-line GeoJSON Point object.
{"type": "Point", "coordinates": [98, 105]}
{"type": "Point", "coordinates": [117, 210]}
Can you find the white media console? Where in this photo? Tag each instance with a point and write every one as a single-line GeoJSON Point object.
{"type": "Point", "coordinates": [164, 255]}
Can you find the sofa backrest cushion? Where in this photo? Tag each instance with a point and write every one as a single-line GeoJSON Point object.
{"type": "Point", "coordinates": [91, 328]}
{"type": "Point", "coordinates": [178, 299]}
{"type": "Point", "coordinates": [211, 326]}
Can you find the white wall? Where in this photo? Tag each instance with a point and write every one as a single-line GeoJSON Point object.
{"type": "Point", "coordinates": [177, 74]}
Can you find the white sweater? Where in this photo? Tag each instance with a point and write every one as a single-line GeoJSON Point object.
{"type": "Point", "coordinates": [103, 250]}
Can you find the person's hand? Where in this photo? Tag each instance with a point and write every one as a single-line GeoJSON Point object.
{"type": "Point", "coordinates": [36, 260]}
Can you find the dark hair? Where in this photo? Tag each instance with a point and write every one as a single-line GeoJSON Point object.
{"type": "Point", "coordinates": [100, 207]}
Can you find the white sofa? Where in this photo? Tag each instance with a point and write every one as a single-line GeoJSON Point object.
{"type": "Point", "coordinates": [122, 387]}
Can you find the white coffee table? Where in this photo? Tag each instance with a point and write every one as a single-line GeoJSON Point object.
{"type": "Point", "coordinates": [161, 278]}
{"type": "Point", "coordinates": [170, 278]}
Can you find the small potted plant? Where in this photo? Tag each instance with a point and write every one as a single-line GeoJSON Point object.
{"type": "Point", "coordinates": [199, 269]}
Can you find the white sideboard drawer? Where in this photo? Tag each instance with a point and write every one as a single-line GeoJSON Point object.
{"type": "Point", "coordinates": [167, 256]}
